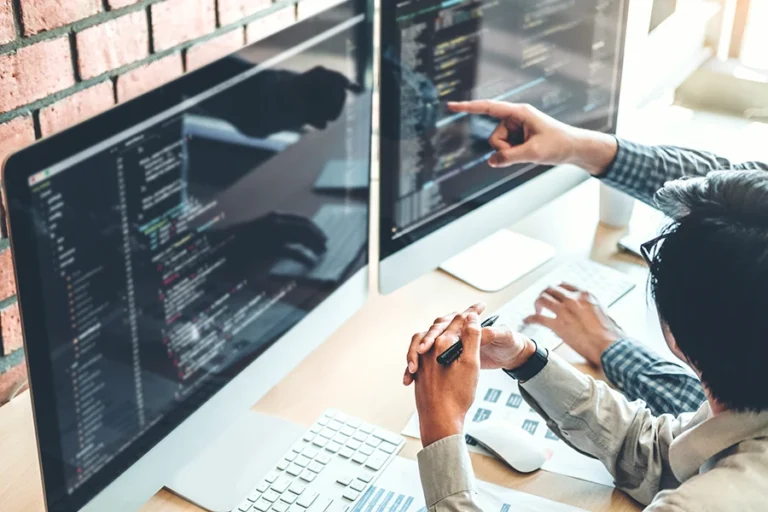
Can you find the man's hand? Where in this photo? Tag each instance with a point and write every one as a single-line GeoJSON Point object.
{"type": "Point", "coordinates": [579, 320]}
{"type": "Point", "coordinates": [526, 135]}
{"type": "Point", "coordinates": [444, 394]}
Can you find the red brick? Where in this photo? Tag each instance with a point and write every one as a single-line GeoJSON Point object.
{"type": "Point", "coordinates": [7, 32]}
{"type": "Point", "coordinates": [78, 107]}
{"type": "Point", "coordinates": [34, 72]}
{"type": "Point", "coordinates": [7, 277]}
{"type": "Point", "coordinates": [309, 8]}
{"type": "Point", "coordinates": [15, 134]}
{"type": "Point", "coordinates": [177, 21]}
{"type": "Point", "coordinates": [10, 327]}
{"type": "Point", "coordinates": [11, 379]}
{"type": "Point", "coordinates": [270, 24]}
{"type": "Point", "coordinates": [231, 11]}
{"type": "Point", "coordinates": [117, 4]}
{"type": "Point", "coordinates": [209, 51]}
{"type": "Point", "coordinates": [148, 77]}
{"type": "Point", "coordinates": [40, 15]}
{"type": "Point", "coordinates": [112, 44]}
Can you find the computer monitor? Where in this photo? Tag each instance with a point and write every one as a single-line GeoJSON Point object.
{"type": "Point", "coordinates": [438, 194]}
{"type": "Point", "coordinates": [176, 257]}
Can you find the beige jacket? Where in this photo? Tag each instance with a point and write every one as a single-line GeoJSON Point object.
{"type": "Point", "coordinates": [693, 463]}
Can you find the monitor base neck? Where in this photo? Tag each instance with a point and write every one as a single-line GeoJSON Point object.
{"type": "Point", "coordinates": [225, 471]}
{"type": "Point", "coordinates": [498, 261]}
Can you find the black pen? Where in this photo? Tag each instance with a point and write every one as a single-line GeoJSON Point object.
{"type": "Point", "coordinates": [455, 350]}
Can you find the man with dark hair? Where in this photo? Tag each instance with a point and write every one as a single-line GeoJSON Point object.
{"type": "Point", "coordinates": [709, 273]}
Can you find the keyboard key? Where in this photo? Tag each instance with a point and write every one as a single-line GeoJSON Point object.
{"type": "Point", "coordinates": [323, 459]}
{"type": "Point", "coordinates": [336, 425]}
{"type": "Point", "coordinates": [321, 505]}
{"type": "Point", "coordinates": [327, 433]}
{"type": "Point", "coordinates": [344, 480]}
{"type": "Point", "coordinates": [281, 485]}
{"type": "Point", "coordinates": [271, 496]}
{"type": "Point", "coordinates": [330, 413]}
{"type": "Point", "coordinates": [271, 477]}
{"type": "Point", "coordinates": [323, 421]}
{"type": "Point", "coordinates": [373, 441]}
{"type": "Point", "coordinates": [346, 452]}
{"type": "Point", "coordinates": [354, 445]}
{"type": "Point", "coordinates": [296, 508]}
{"type": "Point", "coordinates": [263, 486]}
{"type": "Point", "coordinates": [367, 450]}
{"type": "Point", "coordinates": [354, 422]}
{"type": "Point", "coordinates": [297, 488]}
{"type": "Point", "coordinates": [307, 499]}
{"type": "Point", "coordinates": [294, 470]}
{"type": "Point", "coordinates": [283, 465]}
{"type": "Point", "coordinates": [360, 436]}
{"type": "Point", "coordinates": [347, 431]}
{"type": "Point", "coordinates": [341, 438]}
{"type": "Point", "coordinates": [337, 506]}
{"type": "Point", "coordinates": [358, 485]}
{"type": "Point", "coordinates": [360, 458]}
{"type": "Point", "coordinates": [262, 505]}
{"type": "Point", "coordinates": [307, 476]}
{"type": "Point", "coordinates": [279, 507]}
{"type": "Point", "coordinates": [288, 497]}
{"type": "Point", "coordinates": [333, 447]}
{"type": "Point", "coordinates": [245, 506]}
{"type": "Point", "coordinates": [315, 467]}
{"type": "Point", "coordinates": [315, 429]}
{"type": "Point", "coordinates": [387, 447]}
{"type": "Point", "coordinates": [386, 436]}
{"type": "Point", "coordinates": [320, 442]}
{"type": "Point", "coordinates": [291, 456]}
{"type": "Point", "coordinates": [376, 461]}
{"type": "Point", "coordinates": [299, 447]}
{"type": "Point", "coordinates": [340, 416]}
{"type": "Point", "coordinates": [309, 437]}
{"type": "Point", "coordinates": [254, 496]}
{"type": "Point", "coordinates": [350, 495]}
{"type": "Point", "coordinates": [367, 428]}
{"type": "Point", "coordinates": [365, 476]}
{"type": "Point", "coordinates": [311, 452]}
{"type": "Point", "coordinates": [302, 461]}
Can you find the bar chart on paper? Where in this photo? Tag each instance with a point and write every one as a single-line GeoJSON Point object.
{"type": "Point", "coordinates": [382, 500]}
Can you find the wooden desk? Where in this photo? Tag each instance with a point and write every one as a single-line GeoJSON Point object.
{"type": "Point", "coordinates": [342, 374]}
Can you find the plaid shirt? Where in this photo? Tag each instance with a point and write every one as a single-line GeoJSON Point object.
{"type": "Point", "coordinates": [638, 372]}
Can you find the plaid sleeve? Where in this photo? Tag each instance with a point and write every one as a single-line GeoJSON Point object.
{"type": "Point", "coordinates": [641, 171]}
{"type": "Point", "coordinates": [641, 374]}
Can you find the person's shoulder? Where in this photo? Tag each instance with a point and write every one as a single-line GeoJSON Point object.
{"type": "Point", "coordinates": [738, 481]}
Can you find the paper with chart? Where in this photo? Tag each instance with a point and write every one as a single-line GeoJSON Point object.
{"type": "Point", "coordinates": [398, 489]}
{"type": "Point", "coordinates": [498, 396]}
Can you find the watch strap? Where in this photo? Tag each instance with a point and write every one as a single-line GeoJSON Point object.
{"type": "Point", "coordinates": [532, 366]}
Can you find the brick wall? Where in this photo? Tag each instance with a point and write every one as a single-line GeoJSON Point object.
{"type": "Point", "coordinates": [62, 61]}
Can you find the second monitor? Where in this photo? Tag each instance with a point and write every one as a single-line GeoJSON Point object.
{"type": "Point", "coordinates": [438, 194]}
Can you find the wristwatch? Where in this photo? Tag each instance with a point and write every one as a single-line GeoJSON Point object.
{"type": "Point", "coordinates": [532, 366]}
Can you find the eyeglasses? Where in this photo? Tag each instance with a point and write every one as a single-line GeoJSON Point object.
{"type": "Point", "coordinates": [650, 248]}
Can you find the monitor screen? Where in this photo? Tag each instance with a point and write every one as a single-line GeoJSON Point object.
{"type": "Point", "coordinates": [562, 56]}
{"type": "Point", "coordinates": [177, 249]}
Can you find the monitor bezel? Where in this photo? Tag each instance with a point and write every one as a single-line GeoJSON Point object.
{"type": "Point", "coordinates": [403, 260]}
{"type": "Point", "coordinates": [150, 467]}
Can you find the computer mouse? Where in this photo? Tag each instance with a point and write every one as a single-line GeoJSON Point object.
{"type": "Point", "coordinates": [507, 441]}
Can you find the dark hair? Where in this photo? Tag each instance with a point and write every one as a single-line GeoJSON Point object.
{"type": "Point", "coordinates": [709, 279]}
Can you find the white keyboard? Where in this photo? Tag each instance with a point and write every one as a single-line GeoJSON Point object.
{"type": "Point", "coordinates": [606, 284]}
{"type": "Point", "coordinates": [328, 469]}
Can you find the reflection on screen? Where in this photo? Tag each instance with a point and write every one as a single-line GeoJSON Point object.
{"type": "Point", "coordinates": [177, 252]}
{"type": "Point", "coordinates": [562, 56]}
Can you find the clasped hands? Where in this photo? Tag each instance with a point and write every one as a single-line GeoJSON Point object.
{"type": "Point", "coordinates": [444, 394]}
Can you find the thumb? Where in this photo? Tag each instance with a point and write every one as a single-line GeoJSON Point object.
{"type": "Point", "coordinates": [470, 336]}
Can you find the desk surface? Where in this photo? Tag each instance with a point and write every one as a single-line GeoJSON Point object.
{"type": "Point", "coordinates": [343, 376]}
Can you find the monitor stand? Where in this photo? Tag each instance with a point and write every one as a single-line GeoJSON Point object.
{"type": "Point", "coordinates": [499, 260]}
{"type": "Point", "coordinates": [227, 469]}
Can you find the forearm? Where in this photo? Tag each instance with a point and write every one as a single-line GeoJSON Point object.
{"type": "Point", "coordinates": [599, 421]}
{"type": "Point", "coordinates": [641, 374]}
{"type": "Point", "coordinates": [641, 171]}
{"type": "Point", "coordinates": [447, 477]}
